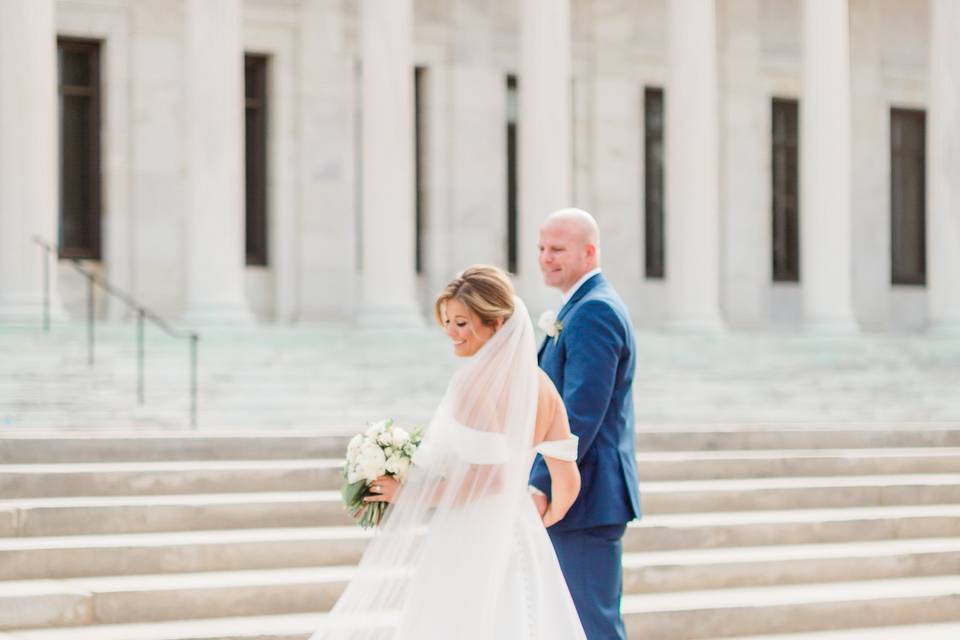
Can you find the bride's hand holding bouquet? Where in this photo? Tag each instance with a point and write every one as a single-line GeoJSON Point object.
{"type": "Point", "coordinates": [376, 464]}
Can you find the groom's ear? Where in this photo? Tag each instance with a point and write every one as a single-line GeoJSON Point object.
{"type": "Point", "coordinates": [591, 249]}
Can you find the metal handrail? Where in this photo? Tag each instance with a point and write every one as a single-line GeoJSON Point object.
{"type": "Point", "coordinates": [143, 314]}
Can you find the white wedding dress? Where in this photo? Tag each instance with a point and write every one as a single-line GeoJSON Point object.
{"type": "Point", "coordinates": [462, 552]}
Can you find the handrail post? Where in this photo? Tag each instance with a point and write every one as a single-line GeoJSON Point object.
{"type": "Point", "coordinates": [46, 288]}
{"type": "Point", "coordinates": [140, 356]}
{"type": "Point", "coordinates": [194, 338]}
{"type": "Point", "coordinates": [143, 314]}
{"type": "Point", "coordinates": [90, 320]}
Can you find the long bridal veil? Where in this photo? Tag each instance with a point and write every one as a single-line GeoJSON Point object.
{"type": "Point", "coordinates": [446, 547]}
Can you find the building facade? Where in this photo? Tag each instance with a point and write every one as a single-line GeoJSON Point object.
{"type": "Point", "coordinates": [752, 163]}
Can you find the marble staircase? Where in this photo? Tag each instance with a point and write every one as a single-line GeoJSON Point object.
{"type": "Point", "coordinates": [783, 533]}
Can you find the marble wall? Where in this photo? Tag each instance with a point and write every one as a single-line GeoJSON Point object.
{"type": "Point", "coordinates": [467, 48]}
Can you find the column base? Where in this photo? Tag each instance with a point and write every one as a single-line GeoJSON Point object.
{"type": "Point", "coordinates": [707, 323]}
{"type": "Point", "coordinates": [405, 317]}
{"type": "Point", "coordinates": [944, 328]}
{"type": "Point", "coordinates": [238, 315]}
{"type": "Point", "coordinates": [831, 326]}
{"type": "Point", "coordinates": [28, 311]}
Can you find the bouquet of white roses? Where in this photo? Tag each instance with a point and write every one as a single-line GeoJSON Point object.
{"type": "Point", "coordinates": [382, 450]}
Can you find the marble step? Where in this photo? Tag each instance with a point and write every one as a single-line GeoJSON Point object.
{"type": "Point", "coordinates": [715, 465]}
{"type": "Point", "coordinates": [158, 478]}
{"type": "Point", "coordinates": [147, 513]}
{"type": "Point", "coordinates": [31, 558]}
{"type": "Point", "coordinates": [144, 598]}
{"type": "Point", "coordinates": [941, 631]}
{"type": "Point", "coordinates": [227, 476]}
{"type": "Point", "coordinates": [24, 558]}
{"type": "Point", "coordinates": [656, 532]}
{"type": "Point", "coordinates": [25, 446]}
{"type": "Point", "coordinates": [173, 596]}
{"type": "Point", "coordinates": [803, 492]}
{"type": "Point", "coordinates": [698, 569]}
{"type": "Point", "coordinates": [696, 615]}
{"type": "Point", "coordinates": [301, 626]}
{"type": "Point", "coordinates": [297, 626]}
{"type": "Point", "coordinates": [682, 615]}
{"type": "Point", "coordinates": [132, 514]}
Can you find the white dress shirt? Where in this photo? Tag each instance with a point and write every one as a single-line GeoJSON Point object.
{"type": "Point", "coordinates": [572, 290]}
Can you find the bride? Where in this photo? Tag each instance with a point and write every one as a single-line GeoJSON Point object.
{"type": "Point", "coordinates": [463, 552]}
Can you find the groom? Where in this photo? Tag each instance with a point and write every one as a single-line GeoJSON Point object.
{"type": "Point", "coordinates": [590, 359]}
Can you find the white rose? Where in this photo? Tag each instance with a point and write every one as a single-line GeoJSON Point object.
{"type": "Point", "coordinates": [353, 475]}
{"type": "Point", "coordinates": [548, 322]}
{"type": "Point", "coordinates": [372, 462]}
{"type": "Point", "coordinates": [354, 445]}
{"type": "Point", "coordinates": [374, 429]}
{"type": "Point", "coordinates": [399, 437]}
{"type": "Point", "coordinates": [393, 463]}
{"type": "Point", "coordinates": [403, 466]}
{"type": "Point", "coordinates": [384, 439]}
{"type": "Point", "coordinates": [371, 472]}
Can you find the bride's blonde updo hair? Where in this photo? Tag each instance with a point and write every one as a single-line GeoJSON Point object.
{"type": "Point", "coordinates": [485, 290]}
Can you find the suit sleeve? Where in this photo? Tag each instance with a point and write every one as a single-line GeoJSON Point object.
{"type": "Point", "coordinates": [594, 344]}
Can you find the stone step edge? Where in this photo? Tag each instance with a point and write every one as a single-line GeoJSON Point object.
{"type": "Point", "coordinates": [677, 520]}
{"type": "Point", "coordinates": [253, 433]}
{"type": "Point", "coordinates": [725, 455]}
{"type": "Point", "coordinates": [940, 631]}
{"type": "Point", "coordinates": [651, 487]}
{"type": "Point", "coordinates": [273, 627]}
{"type": "Point", "coordinates": [792, 595]}
{"type": "Point", "coordinates": [301, 625]}
{"type": "Point", "coordinates": [93, 585]}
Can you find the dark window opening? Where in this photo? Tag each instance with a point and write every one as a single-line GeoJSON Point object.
{"type": "Point", "coordinates": [78, 71]}
{"type": "Point", "coordinates": [255, 154]}
{"type": "Point", "coordinates": [785, 190]}
{"type": "Point", "coordinates": [908, 196]}
{"type": "Point", "coordinates": [419, 163]}
{"type": "Point", "coordinates": [653, 189]}
{"type": "Point", "coordinates": [513, 110]}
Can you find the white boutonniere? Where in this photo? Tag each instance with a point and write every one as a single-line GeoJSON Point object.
{"type": "Point", "coordinates": [549, 323]}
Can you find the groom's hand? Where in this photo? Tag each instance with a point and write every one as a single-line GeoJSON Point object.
{"type": "Point", "coordinates": [540, 501]}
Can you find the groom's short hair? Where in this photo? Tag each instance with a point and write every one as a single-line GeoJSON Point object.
{"type": "Point", "coordinates": [584, 222]}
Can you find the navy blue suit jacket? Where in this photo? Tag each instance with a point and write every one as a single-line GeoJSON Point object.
{"type": "Point", "coordinates": [592, 363]}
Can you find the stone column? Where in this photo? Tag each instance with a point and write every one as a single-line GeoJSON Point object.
{"type": "Point", "coordinates": [326, 234]}
{"type": "Point", "coordinates": [692, 167]}
{"type": "Point", "coordinates": [215, 222]}
{"type": "Point", "coordinates": [387, 172]}
{"type": "Point", "coordinates": [476, 96]}
{"type": "Point", "coordinates": [545, 123]}
{"type": "Point", "coordinates": [943, 168]}
{"type": "Point", "coordinates": [28, 156]}
{"type": "Point", "coordinates": [826, 267]}
{"type": "Point", "coordinates": [745, 169]}
{"type": "Point", "coordinates": [612, 105]}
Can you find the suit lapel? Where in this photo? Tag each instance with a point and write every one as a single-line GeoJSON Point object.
{"type": "Point", "coordinates": [584, 289]}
